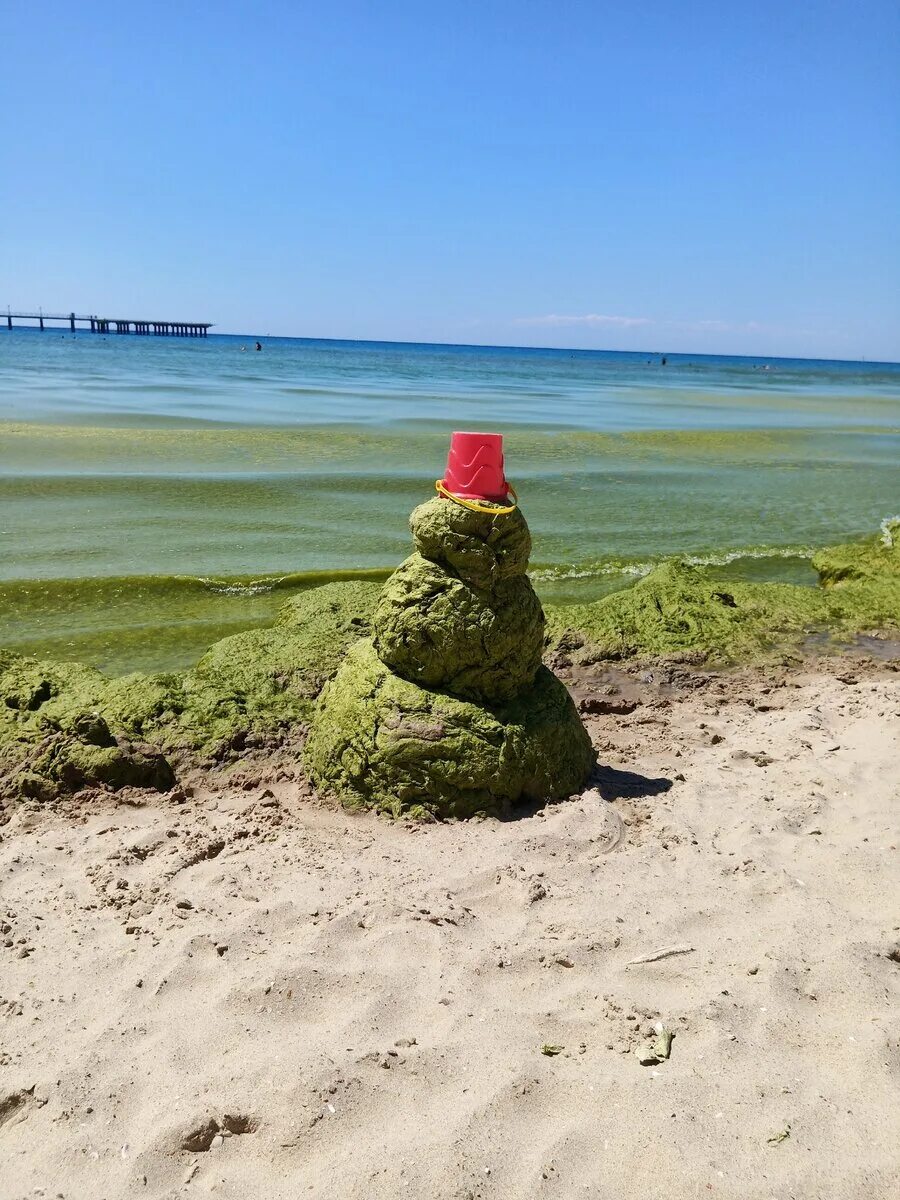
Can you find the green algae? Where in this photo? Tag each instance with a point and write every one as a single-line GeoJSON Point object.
{"type": "Point", "coordinates": [482, 548]}
{"type": "Point", "coordinates": [64, 725]}
{"type": "Point", "coordinates": [54, 739]}
{"type": "Point", "coordinates": [66, 764]}
{"type": "Point", "coordinates": [679, 609]}
{"type": "Point", "coordinates": [460, 614]}
{"type": "Point", "coordinates": [382, 742]}
{"type": "Point", "coordinates": [873, 559]}
{"type": "Point", "coordinates": [447, 710]}
{"type": "Point", "coordinates": [256, 682]}
{"type": "Point", "coordinates": [438, 631]}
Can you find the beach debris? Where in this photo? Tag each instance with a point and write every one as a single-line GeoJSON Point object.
{"type": "Point", "coordinates": [657, 1051]}
{"type": "Point", "coordinates": [550, 1050]}
{"type": "Point", "coordinates": [656, 955]}
{"type": "Point", "coordinates": [607, 706]}
{"type": "Point", "coordinates": [781, 1136]}
{"type": "Point", "coordinates": [762, 759]}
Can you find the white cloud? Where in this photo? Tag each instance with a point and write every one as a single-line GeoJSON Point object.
{"type": "Point", "coordinates": [590, 319]}
{"type": "Point", "coordinates": [608, 321]}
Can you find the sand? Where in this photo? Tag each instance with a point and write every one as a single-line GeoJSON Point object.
{"type": "Point", "coordinates": [248, 993]}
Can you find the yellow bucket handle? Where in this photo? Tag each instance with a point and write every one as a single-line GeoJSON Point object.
{"type": "Point", "coordinates": [473, 504]}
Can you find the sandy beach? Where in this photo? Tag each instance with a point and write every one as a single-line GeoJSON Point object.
{"type": "Point", "coordinates": [450, 602]}
{"type": "Point", "coordinates": [242, 991]}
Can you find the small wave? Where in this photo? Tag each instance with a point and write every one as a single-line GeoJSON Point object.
{"type": "Point", "coordinates": [589, 571]}
{"type": "Point", "coordinates": [643, 567]}
{"type": "Point", "coordinates": [221, 588]}
{"type": "Point", "coordinates": [114, 589]}
{"type": "Point", "coordinates": [276, 583]}
{"type": "Point", "coordinates": [730, 556]}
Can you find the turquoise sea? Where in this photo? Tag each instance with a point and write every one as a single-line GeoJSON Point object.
{"type": "Point", "coordinates": [159, 493]}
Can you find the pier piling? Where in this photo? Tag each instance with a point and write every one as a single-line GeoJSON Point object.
{"type": "Point", "coordinates": [119, 324]}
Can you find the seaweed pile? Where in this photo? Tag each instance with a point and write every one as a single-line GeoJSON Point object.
{"type": "Point", "coordinates": [447, 709]}
{"type": "Point", "coordinates": [441, 704]}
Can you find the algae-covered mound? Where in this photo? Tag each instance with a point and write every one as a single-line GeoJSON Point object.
{"type": "Point", "coordinates": [871, 559]}
{"type": "Point", "coordinates": [447, 708]}
{"type": "Point", "coordinates": [53, 738]}
{"type": "Point", "coordinates": [253, 684]}
{"type": "Point", "coordinates": [460, 614]}
{"type": "Point", "coordinates": [679, 609]}
{"type": "Point", "coordinates": [382, 742]}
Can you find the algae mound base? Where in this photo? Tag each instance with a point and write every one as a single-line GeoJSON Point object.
{"type": "Point", "coordinates": [447, 709]}
{"type": "Point", "coordinates": [382, 742]}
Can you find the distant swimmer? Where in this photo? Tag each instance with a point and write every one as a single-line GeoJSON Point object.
{"type": "Point", "coordinates": [664, 361]}
{"type": "Point", "coordinates": [259, 345]}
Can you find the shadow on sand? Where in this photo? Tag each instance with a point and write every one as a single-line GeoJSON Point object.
{"type": "Point", "coordinates": [609, 782]}
{"type": "Point", "coordinates": [617, 785]}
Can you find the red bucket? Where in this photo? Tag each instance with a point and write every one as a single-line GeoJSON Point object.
{"type": "Point", "coordinates": [475, 467]}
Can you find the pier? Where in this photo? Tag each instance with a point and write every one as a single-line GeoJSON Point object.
{"type": "Point", "coordinates": [96, 324]}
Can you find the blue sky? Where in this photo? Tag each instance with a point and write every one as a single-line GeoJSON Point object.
{"type": "Point", "coordinates": [695, 176]}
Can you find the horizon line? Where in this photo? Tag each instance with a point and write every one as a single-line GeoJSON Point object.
{"type": "Point", "coordinates": [287, 337]}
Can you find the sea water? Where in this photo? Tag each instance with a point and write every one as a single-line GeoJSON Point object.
{"type": "Point", "coordinates": [159, 493]}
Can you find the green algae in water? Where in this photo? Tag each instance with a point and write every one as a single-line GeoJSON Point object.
{"type": "Point", "coordinates": [265, 681]}
{"type": "Point", "coordinates": [257, 682]}
{"type": "Point", "coordinates": [680, 609]}
{"type": "Point", "coordinates": [146, 623]}
{"type": "Point", "coordinates": [162, 517]}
